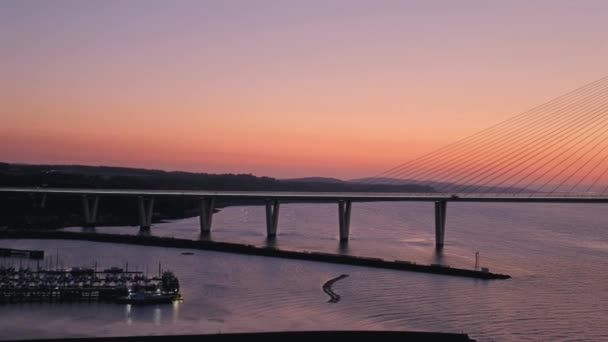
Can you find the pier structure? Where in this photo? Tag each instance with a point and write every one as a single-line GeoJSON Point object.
{"type": "Point", "coordinates": [273, 199]}
{"type": "Point", "coordinates": [207, 206]}
{"type": "Point", "coordinates": [146, 208]}
{"type": "Point", "coordinates": [440, 214]}
{"type": "Point", "coordinates": [89, 208]}
{"type": "Point", "coordinates": [344, 207]}
{"type": "Point", "coordinates": [272, 217]}
{"type": "Point", "coordinates": [38, 200]}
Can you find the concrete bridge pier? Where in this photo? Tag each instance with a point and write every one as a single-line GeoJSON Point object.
{"type": "Point", "coordinates": [146, 207]}
{"type": "Point", "coordinates": [43, 201]}
{"type": "Point", "coordinates": [344, 219]}
{"type": "Point", "coordinates": [272, 217]}
{"type": "Point", "coordinates": [440, 213]}
{"type": "Point", "coordinates": [38, 201]}
{"type": "Point", "coordinates": [89, 206]}
{"type": "Point", "coordinates": [206, 214]}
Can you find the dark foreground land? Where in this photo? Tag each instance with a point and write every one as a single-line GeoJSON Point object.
{"type": "Point", "coordinates": [402, 336]}
{"type": "Point", "coordinates": [250, 250]}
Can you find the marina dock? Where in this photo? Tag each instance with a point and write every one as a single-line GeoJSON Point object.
{"type": "Point", "coordinates": [79, 284]}
{"type": "Point", "coordinates": [21, 253]}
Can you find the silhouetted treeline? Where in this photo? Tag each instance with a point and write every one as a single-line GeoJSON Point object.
{"type": "Point", "coordinates": [30, 211]}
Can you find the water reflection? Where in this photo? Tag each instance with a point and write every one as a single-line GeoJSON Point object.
{"type": "Point", "coordinates": [128, 314]}
{"type": "Point", "coordinates": [89, 229]}
{"type": "Point", "coordinates": [144, 231]}
{"type": "Point", "coordinates": [343, 247]}
{"type": "Point", "coordinates": [271, 242]}
{"type": "Point", "coordinates": [176, 311]}
{"type": "Point", "coordinates": [157, 315]}
{"type": "Point", "coordinates": [439, 257]}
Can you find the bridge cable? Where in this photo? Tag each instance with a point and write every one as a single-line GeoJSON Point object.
{"type": "Point", "coordinates": [489, 129]}
{"type": "Point", "coordinates": [465, 150]}
{"type": "Point", "coordinates": [428, 176]}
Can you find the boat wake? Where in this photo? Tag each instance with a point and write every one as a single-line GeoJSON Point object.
{"type": "Point", "coordinates": [333, 297]}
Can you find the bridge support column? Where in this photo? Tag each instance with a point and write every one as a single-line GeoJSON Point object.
{"type": "Point", "coordinates": [206, 214]}
{"type": "Point", "coordinates": [38, 203]}
{"type": "Point", "coordinates": [272, 217]}
{"type": "Point", "coordinates": [440, 213]}
{"type": "Point", "coordinates": [146, 207]}
{"type": "Point", "coordinates": [89, 206]}
{"type": "Point", "coordinates": [344, 219]}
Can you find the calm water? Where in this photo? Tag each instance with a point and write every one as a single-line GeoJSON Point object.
{"type": "Point", "coordinates": [556, 253]}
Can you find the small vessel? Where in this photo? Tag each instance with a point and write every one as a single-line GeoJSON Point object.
{"type": "Point", "coordinates": [144, 297]}
{"type": "Point", "coordinates": [187, 253]}
{"type": "Point", "coordinates": [164, 293]}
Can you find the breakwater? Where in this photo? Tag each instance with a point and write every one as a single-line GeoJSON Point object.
{"type": "Point", "coordinates": [252, 250]}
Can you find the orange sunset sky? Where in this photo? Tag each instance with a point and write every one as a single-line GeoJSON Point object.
{"type": "Point", "coordinates": [279, 88]}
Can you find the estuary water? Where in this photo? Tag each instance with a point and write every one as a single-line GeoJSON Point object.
{"type": "Point", "coordinates": [557, 255]}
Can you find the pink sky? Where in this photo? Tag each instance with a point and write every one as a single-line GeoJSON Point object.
{"type": "Point", "coordinates": [279, 88]}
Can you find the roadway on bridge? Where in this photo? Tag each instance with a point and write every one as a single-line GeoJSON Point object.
{"type": "Point", "coordinates": [323, 196]}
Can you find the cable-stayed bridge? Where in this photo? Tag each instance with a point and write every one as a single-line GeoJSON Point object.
{"type": "Point", "coordinates": [558, 147]}
{"type": "Point", "coordinates": [555, 153]}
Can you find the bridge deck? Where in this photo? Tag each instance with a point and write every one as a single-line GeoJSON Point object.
{"type": "Point", "coordinates": [324, 196]}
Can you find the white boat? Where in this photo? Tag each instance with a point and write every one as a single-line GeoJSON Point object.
{"type": "Point", "coordinates": [143, 297]}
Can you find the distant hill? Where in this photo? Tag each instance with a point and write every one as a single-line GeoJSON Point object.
{"type": "Point", "coordinates": [85, 176]}
{"type": "Point", "coordinates": [438, 186]}
{"type": "Point", "coordinates": [136, 178]}
{"type": "Point", "coordinates": [314, 180]}
{"type": "Point", "coordinates": [377, 180]}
